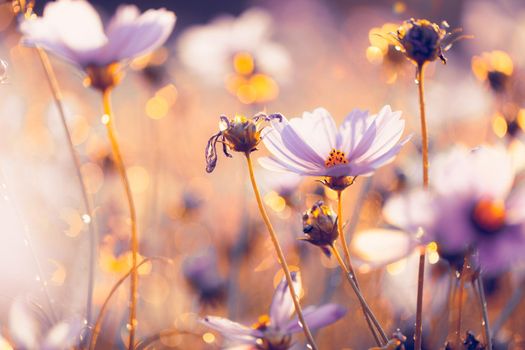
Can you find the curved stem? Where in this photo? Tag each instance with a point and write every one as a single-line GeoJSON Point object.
{"type": "Point", "coordinates": [103, 308]}
{"type": "Point", "coordinates": [369, 315]}
{"type": "Point", "coordinates": [88, 207]}
{"type": "Point", "coordinates": [478, 284]}
{"type": "Point", "coordinates": [280, 254]}
{"type": "Point", "coordinates": [107, 119]}
{"type": "Point", "coordinates": [421, 271]}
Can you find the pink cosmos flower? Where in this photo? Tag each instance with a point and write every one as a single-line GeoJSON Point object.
{"type": "Point", "coordinates": [73, 30]}
{"type": "Point", "coordinates": [274, 331]}
{"type": "Point", "coordinates": [313, 145]}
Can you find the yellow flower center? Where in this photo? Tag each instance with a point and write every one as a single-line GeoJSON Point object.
{"type": "Point", "coordinates": [262, 323]}
{"type": "Point", "coordinates": [335, 157]}
{"type": "Point", "coordinates": [489, 215]}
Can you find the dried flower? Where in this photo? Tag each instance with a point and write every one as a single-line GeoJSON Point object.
{"type": "Point", "coordinates": [423, 41]}
{"type": "Point", "coordinates": [313, 146]}
{"type": "Point", "coordinates": [239, 134]}
{"type": "Point", "coordinates": [320, 226]}
{"type": "Point", "coordinates": [274, 331]}
{"type": "Point", "coordinates": [73, 30]}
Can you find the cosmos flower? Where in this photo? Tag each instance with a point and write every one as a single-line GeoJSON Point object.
{"type": "Point", "coordinates": [312, 145]}
{"type": "Point", "coordinates": [474, 208]}
{"type": "Point", "coordinates": [29, 333]}
{"type": "Point", "coordinates": [274, 331]}
{"type": "Point", "coordinates": [225, 38]}
{"type": "Point", "coordinates": [73, 30]}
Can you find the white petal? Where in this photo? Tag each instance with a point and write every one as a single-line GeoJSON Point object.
{"type": "Point", "coordinates": [381, 246]}
{"type": "Point", "coordinates": [22, 325]}
{"type": "Point", "coordinates": [63, 335]}
{"type": "Point", "coordinates": [131, 34]}
{"type": "Point", "coordinates": [231, 330]}
{"type": "Point", "coordinates": [318, 130]}
{"type": "Point", "coordinates": [410, 211]}
{"type": "Point", "coordinates": [282, 303]}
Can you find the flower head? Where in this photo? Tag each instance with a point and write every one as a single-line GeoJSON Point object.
{"type": "Point", "coordinates": [239, 134]}
{"type": "Point", "coordinates": [495, 67]}
{"type": "Point", "coordinates": [423, 41]}
{"type": "Point", "coordinates": [472, 206]}
{"type": "Point", "coordinates": [73, 30]}
{"type": "Point", "coordinates": [274, 331]}
{"type": "Point", "coordinates": [312, 145]}
{"type": "Point", "coordinates": [320, 226]}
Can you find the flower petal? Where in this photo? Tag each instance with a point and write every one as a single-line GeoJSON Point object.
{"type": "Point", "coordinates": [317, 317]}
{"type": "Point", "coordinates": [232, 330]}
{"type": "Point", "coordinates": [282, 304]}
{"type": "Point", "coordinates": [22, 325]}
{"type": "Point", "coordinates": [131, 34]}
{"type": "Point", "coordinates": [63, 335]}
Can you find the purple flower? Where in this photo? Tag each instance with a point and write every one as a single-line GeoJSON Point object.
{"type": "Point", "coordinates": [202, 274]}
{"type": "Point", "coordinates": [473, 207]}
{"type": "Point", "coordinates": [274, 331]}
{"type": "Point", "coordinates": [73, 30]}
{"type": "Point", "coordinates": [312, 145]}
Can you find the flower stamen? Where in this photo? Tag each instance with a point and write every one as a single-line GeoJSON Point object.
{"type": "Point", "coordinates": [335, 157]}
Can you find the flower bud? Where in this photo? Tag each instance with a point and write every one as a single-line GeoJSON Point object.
{"type": "Point", "coordinates": [421, 40]}
{"type": "Point", "coordinates": [320, 225]}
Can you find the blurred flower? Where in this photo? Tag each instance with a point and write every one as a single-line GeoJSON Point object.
{"type": "Point", "coordinates": [383, 51]}
{"type": "Point", "coordinates": [423, 41]}
{"type": "Point", "coordinates": [494, 67]}
{"type": "Point", "coordinates": [239, 134]}
{"type": "Point", "coordinates": [471, 205]}
{"type": "Point", "coordinates": [29, 333]}
{"type": "Point", "coordinates": [237, 45]}
{"type": "Point", "coordinates": [201, 273]}
{"type": "Point", "coordinates": [320, 226]}
{"type": "Point", "coordinates": [274, 331]}
{"type": "Point", "coordinates": [73, 30]}
{"type": "Point", "coordinates": [312, 145]}
{"type": "Point", "coordinates": [244, 56]}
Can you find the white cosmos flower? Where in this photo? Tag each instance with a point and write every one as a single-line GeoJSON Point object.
{"type": "Point", "coordinates": [73, 30]}
{"type": "Point", "coordinates": [209, 49]}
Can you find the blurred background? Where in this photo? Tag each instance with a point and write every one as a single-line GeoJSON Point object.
{"type": "Point", "coordinates": [242, 57]}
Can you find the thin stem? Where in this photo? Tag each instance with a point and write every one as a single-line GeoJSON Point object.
{"type": "Point", "coordinates": [280, 255]}
{"type": "Point", "coordinates": [108, 121]}
{"type": "Point", "coordinates": [421, 271]}
{"type": "Point", "coordinates": [103, 308]}
{"type": "Point", "coordinates": [88, 207]}
{"type": "Point", "coordinates": [509, 308]}
{"type": "Point", "coordinates": [342, 235]}
{"type": "Point", "coordinates": [459, 311]}
{"type": "Point", "coordinates": [478, 284]}
{"type": "Point", "coordinates": [369, 315]}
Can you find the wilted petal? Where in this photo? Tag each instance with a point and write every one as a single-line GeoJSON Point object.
{"type": "Point", "coordinates": [23, 327]}
{"type": "Point", "coordinates": [232, 330]}
{"type": "Point", "coordinates": [317, 317]}
{"type": "Point", "coordinates": [282, 303]}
